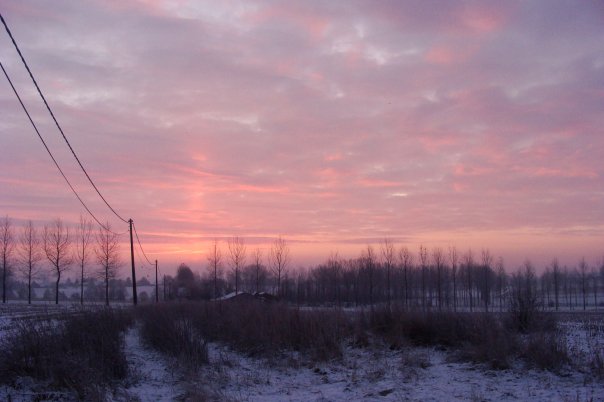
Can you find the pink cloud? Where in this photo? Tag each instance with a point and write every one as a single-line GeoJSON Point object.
{"type": "Point", "coordinates": [482, 18]}
{"type": "Point", "coordinates": [333, 123]}
{"type": "Point", "coordinates": [442, 55]}
{"type": "Point", "coordinates": [314, 24]}
{"type": "Point", "coordinates": [367, 182]}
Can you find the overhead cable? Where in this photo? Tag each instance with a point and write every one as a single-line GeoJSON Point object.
{"type": "Point", "coordinates": [50, 153]}
{"type": "Point", "coordinates": [140, 245]}
{"type": "Point", "coordinates": [55, 120]}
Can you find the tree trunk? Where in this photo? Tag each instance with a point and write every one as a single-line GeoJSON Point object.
{"type": "Point", "coordinates": [57, 287]}
{"type": "Point", "coordinates": [29, 287]}
{"type": "Point", "coordinates": [406, 289]}
{"type": "Point", "coordinates": [454, 291]}
{"type": "Point", "coordinates": [215, 282]}
{"type": "Point", "coordinates": [107, 286]}
{"type": "Point", "coordinates": [3, 278]}
{"type": "Point", "coordinates": [82, 286]}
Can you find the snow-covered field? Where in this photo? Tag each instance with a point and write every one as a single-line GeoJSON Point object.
{"type": "Point", "coordinates": [416, 374]}
{"type": "Point", "coordinates": [380, 374]}
{"type": "Point", "coordinates": [374, 373]}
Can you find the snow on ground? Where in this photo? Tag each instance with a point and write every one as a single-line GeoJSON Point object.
{"type": "Point", "coordinates": [379, 374]}
{"type": "Point", "coordinates": [152, 378]}
{"type": "Point", "coordinates": [375, 373]}
{"type": "Point", "coordinates": [584, 337]}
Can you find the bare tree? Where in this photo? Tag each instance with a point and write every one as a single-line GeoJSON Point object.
{"type": "Point", "coordinates": [57, 243]}
{"type": "Point", "coordinates": [596, 288]}
{"type": "Point", "coordinates": [29, 255]}
{"type": "Point", "coordinates": [601, 274]}
{"type": "Point", "coordinates": [438, 257]}
{"type": "Point", "coordinates": [406, 260]}
{"type": "Point", "coordinates": [501, 281]}
{"type": "Point", "coordinates": [7, 246]}
{"type": "Point", "coordinates": [454, 260]}
{"type": "Point", "coordinates": [388, 254]}
{"type": "Point", "coordinates": [487, 261]}
{"type": "Point", "coordinates": [279, 259]}
{"type": "Point", "coordinates": [566, 287]}
{"type": "Point", "coordinates": [524, 303]}
{"type": "Point", "coordinates": [83, 249]}
{"type": "Point", "coordinates": [369, 263]}
{"type": "Point", "coordinates": [556, 275]}
{"type": "Point", "coordinates": [423, 260]}
{"type": "Point", "coordinates": [334, 267]}
{"type": "Point", "coordinates": [215, 260]}
{"type": "Point", "coordinates": [257, 256]}
{"type": "Point", "coordinates": [468, 260]}
{"type": "Point", "coordinates": [583, 269]}
{"type": "Point", "coordinates": [237, 251]}
{"type": "Point", "coordinates": [107, 252]}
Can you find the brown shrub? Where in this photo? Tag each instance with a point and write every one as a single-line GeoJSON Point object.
{"type": "Point", "coordinates": [169, 329]}
{"type": "Point", "coordinates": [81, 352]}
{"type": "Point", "coordinates": [545, 350]}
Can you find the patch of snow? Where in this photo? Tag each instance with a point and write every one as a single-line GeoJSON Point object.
{"type": "Point", "coordinates": [231, 295]}
{"type": "Point", "coordinates": [151, 378]}
{"type": "Point", "coordinates": [375, 373]}
{"type": "Point", "coordinates": [415, 374]}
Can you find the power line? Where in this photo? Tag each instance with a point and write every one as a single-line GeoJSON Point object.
{"type": "Point", "coordinates": [130, 222]}
{"type": "Point", "coordinates": [55, 120]}
{"type": "Point", "coordinates": [8, 31]}
{"type": "Point", "coordinates": [50, 153]}
{"type": "Point", "coordinates": [141, 263]}
{"type": "Point", "coordinates": [140, 245]}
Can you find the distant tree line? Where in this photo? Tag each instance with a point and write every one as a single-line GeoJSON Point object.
{"type": "Point", "coordinates": [436, 279]}
{"type": "Point", "coordinates": [232, 273]}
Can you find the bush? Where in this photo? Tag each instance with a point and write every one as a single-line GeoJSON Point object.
{"type": "Point", "coordinates": [81, 352]}
{"type": "Point", "coordinates": [596, 363]}
{"type": "Point", "coordinates": [491, 343]}
{"type": "Point", "coordinates": [252, 327]}
{"type": "Point", "coordinates": [481, 338]}
{"type": "Point", "coordinates": [170, 330]}
{"type": "Point", "coordinates": [546, 351]}
{"type": "Point", "coordinates": [429, 329]}
{"type": "Point", "coordinates": [259, 328]}
{"type": "Point", "coordinates": [262, 329]}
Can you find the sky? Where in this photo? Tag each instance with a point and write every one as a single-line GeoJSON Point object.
{"type": "Point", "coordinates": [475, 124]}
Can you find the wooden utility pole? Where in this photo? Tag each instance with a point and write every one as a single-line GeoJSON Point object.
{"type": "Point", "coordinates": [156, 285]}
{"type": "Point", "coordinates": [134, 297]}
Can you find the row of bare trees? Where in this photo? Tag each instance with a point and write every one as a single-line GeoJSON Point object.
{"type": "Point", "coordinates": [24, 249]}
{"type": "Point", "coordinates": [442, 279]}
{"type": "Point", "coordinates": [253, 275]}
{"type": "Point", "coordinates": [434, 278]}
{"type": "Point", "coordinates": [236, 270]}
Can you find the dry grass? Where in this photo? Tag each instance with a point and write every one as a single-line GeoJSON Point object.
{"type": "Point", "coordinates": [82, 353]}
{"type": "Point", "coordinates": [262, 329]}
{"type": "Point", "coordinates": [171, 331]}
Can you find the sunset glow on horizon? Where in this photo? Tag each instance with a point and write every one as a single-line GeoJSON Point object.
{"type": "Point", "coordinates": [335, 124]}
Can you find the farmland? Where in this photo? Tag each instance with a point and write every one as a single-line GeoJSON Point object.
{"type": "Point", "coordinates": [271, 351]}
